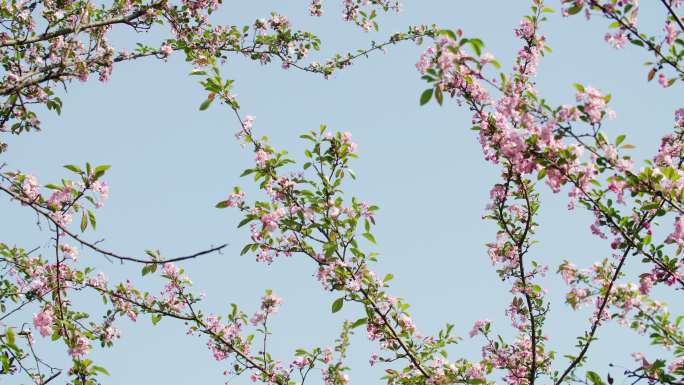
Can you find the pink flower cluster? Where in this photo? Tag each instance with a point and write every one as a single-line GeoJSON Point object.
{"type": "Point", "coordinates": [69, 252]}
{"type": "Point", "coordinates": [316, 8]}
{"type": "Point", "coordinates": [222, 332]}
{"type": "Point", "coordinates": [617, 39]}
{"type": "Point", "coordinates": [80, 347]}
{"type": "Point", "coordinates": [270, 220]}
{"type": "Point", "coordinates": [478, 327]}
{"type": "Point", "coordinates": [43, 322]}
{"type": "Point", "coordinates": [595, 104]}
{"type": "Point", "coordinates": [261, 158]}
{"type": "Point", "coordinates": [269, 306]}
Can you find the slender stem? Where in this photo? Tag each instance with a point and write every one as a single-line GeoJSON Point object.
{"type": "Point", "coordinates": [604, 303]}
{"type": "Point", "coordinates": [82, 27]}
{"type": "Point", "coordinates": [673, 14]}
{"type": "Point", "coordinates": [100, 250]}
{"type": "Point", "coordinates": [635, 32]}
{"type": "Point", "coordinates": [523, 278]}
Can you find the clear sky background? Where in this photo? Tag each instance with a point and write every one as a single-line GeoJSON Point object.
{"type": "Point", "coordinates": [421, 165]}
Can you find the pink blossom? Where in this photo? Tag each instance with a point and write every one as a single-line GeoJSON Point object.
{"type": "Point", "coordinates": [526, 29]}
{"type": "Point", "coordinates": [300, 362]}
{"type": "Point", "coordinates": [110, 333]}
{"type": "Point", "coordinates": [662, 80]}
{"type": "Point", "coordinates": [69, 252]}
{"type": "Point", "coordinates": [677, 233]}
{"type": "Point", "coordinates": [478, 327]}
{"type": "Point", "coordinates": [257, 318]}
{"type": "Point", "coordinates": [618, 187]}
{"type": "Point", "coordinates": [617, 40]}
{"type": "Point", "coordinates": [30, 188]}
{"type": "Point", "coordinates": [327, 356]}
{"type": "Point", "coordinates": [334, 212]}
{"type": "Point", "coordinates": [671, 32]}
{"type": "Point", "coordinates": [12, 77]}
{"type": "Point", "coordinates": [171, 270]}
{"type": "Point", "coordinates": [679, 118]}
{"type": "Point", "coordinates": [261, 158]}
{"type": "Point", "coordinates": [676, 365]}
{"type": "Point", "coordinates": [195, 5]}
{"type": "Point", "coordinates": [476, 371]}
{"type": "Point", "coordinates": [486, 58]}
{"type": "Point", "coordinates": [247, 122]}
{"type": "Point", "coordinates": [59, 197]}
{"type": "Point", "coordinates": [594, 103]}
{"type": "Point", "coordinates": [80, 347]}
{"type": "Point", "coordinates": [270, 303]}
{"type": "Point", "coordinates": [166, 50]}
{"type": "Point", "coordinates": [235, 199]}
{"type": "Point", "coordinates": [62, 219]}
{"type": "Point", "coordinates": [316, 9]}
{"type": "Point", "coordinates": [425, 60]}
{"type": "Point", "coordinates": [568, 272]}
{"type": "Point", "coordinates": [101, 188]}
{"type": "Point", "coordinates": [645, 284]}
{"type": "Point", "coordinates": [43, 322]}
{"type": "Point", "coordinates": [100, 281]}
{"type": "Point", "coordinates": [346, 139]}
{"type": "Point", "coordinates": [374, 358]}
{"type": "Point", "coordinates": [270, 220]}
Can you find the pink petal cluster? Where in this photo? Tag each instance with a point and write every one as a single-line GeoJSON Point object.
{"type": "Point", "coordinates": [43, 322]}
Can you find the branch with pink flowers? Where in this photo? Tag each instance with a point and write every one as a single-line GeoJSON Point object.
{"type": "Point", "coordinates": [56, 218]}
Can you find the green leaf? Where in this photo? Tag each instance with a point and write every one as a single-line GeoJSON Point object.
{"type": "Point", "coordinates": [369, 236]}
{"type": "Point", "coordinates": [73, 168]}
{"type": "Point", "coordinates": [205, 104]}
{"type": "Point", "coordinates": [439, 96]}
{"type": "Point", "coordinates": [578, 87]}
{"type": "Point", "coordinates": [337, 305]}
{"type": "Point", "coordinates": [91, 216]}
{"type": "Point", "coordinates": [246, 172]}
{"type": "Point", "coordinates": [84, 222]}
{"type": "Point", "coordinates": [100, 369]}
{"type": "Point", "coordinates": [620, 139]}
{"type": "Point", "coordinates": [542, 174]}
{"type": "Point", "coordinates": [426, 96]}
{"type": "Point", "coordinates": [636, 42]}
{"type": "Point", "coordinates": [222, 205]}
{"type": "Point", "coordinates": [156, 318]}
{"type": "Point", "coordinates": [9, 334]}
{"type": "Point", "coordinates": [574, 10]}
{"type": "Point", "coordinates": [245, 249]}
{"type": "Point", "coordinates": [594, 378]}
{"type": "Point", "coordinates": [359, 322]}
{"type": "Point", "coordinates": [449, 33]}
{"type": "Point", "coordinates": [102, 168]}
{"type": "Point", "coordinates": [650, 206]}
{"type": "Point", "coordinates": [198, 71]}
{"type": "Point", "coordinates": [477, 45]}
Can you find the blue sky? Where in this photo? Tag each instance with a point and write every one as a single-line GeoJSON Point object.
{"type": "Point", "coordinates": [421, 165]}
